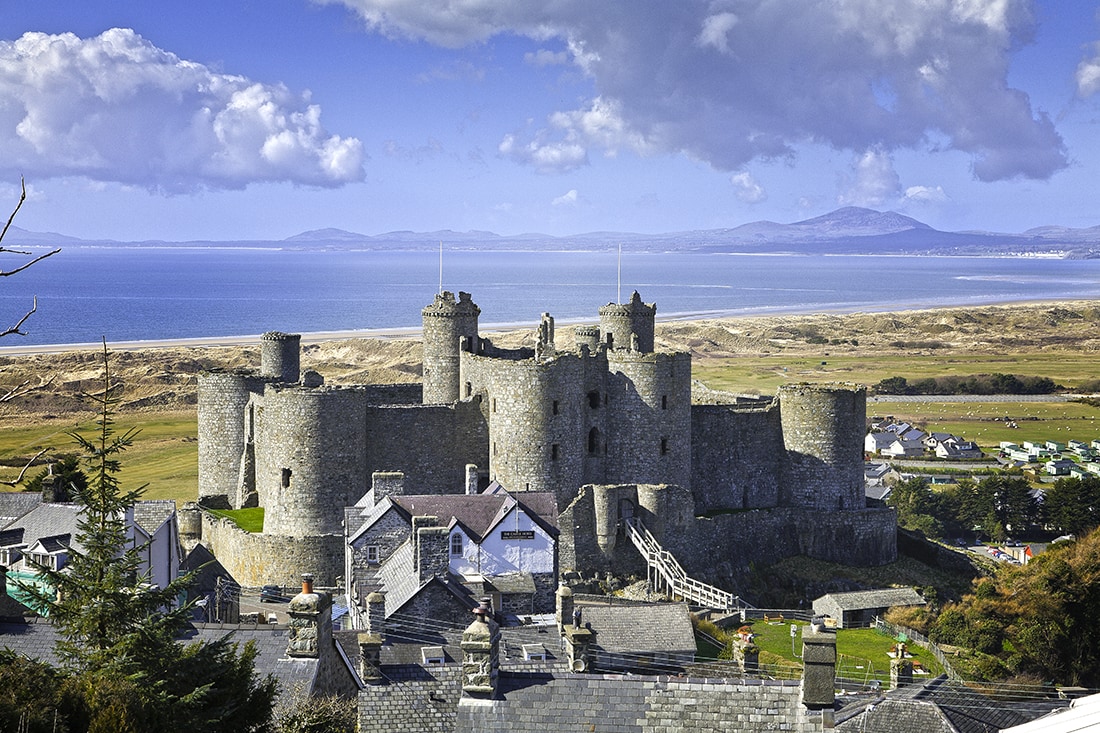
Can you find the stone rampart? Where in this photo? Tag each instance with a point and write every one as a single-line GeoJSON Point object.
{"type": "Point", "coordinates": [259, 559]}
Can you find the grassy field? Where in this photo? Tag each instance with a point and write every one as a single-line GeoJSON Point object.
{"type": "Point", "coordinates": [164, 454]}
{"type": "Point", "coordinates": [763, 374]}
{"type": "Point", "coordinates": [862, 654]}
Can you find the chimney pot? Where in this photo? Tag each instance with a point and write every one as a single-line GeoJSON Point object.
{"type": "Point", "coordinates": [307, 583]}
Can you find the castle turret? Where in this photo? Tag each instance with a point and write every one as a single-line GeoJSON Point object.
{"type": "Point", "coordinates": [449, 328]}
{"type": "Point", "coordinates": [280, 356]}
{"type": "Point", "coordinates": [629, 325]}
{"type": "Point", "coordinates": [823, 429]}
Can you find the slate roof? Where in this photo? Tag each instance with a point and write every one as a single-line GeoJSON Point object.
{"type": "Point", "coordinates": [881, 598]}
{"type": "Point", "coordinates": [48, 520]}
{"type": "Point", "coordinates": [14, 504]}
{"type": "Point", "coordinates": [479, 513]}
{"type": "Point", "coordinates": [150, 514]}
{"type": "Point", "coordinates": [36, 638]}
{"type": "Point", "coordinates": [1082, 714]}
{"type": "Point", "coordinates": [658, 627]}
{"type": "Point", "coordinates": [942, 705]}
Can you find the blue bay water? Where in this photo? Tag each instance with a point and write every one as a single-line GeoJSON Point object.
{"type": "Point", "coordinates": [144, 293]}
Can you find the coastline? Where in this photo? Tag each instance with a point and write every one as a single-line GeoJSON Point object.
{"type": "Point", "coordinates": [410, 332]}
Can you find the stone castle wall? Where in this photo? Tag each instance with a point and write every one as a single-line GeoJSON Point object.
{"type": "Point", "coordinates": [258, 559]}
{"type": "Point", "coordinates": [736, 456]}
{"type": "Point", "coordinates": [223, 425]}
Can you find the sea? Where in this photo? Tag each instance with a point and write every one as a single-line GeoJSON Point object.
{"type": "Point", "coordinates": [128, 293]}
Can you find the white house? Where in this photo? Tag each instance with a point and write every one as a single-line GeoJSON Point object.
{"type": "Point", "coordinates": [490, 543]}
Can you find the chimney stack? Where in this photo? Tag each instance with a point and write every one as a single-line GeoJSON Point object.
{"type": "Point", "coordinates": [819, 666]}
{"type": "Point", "coordinates": [481, 654]}
{"type": "Point", "coordinates": [376, 613]}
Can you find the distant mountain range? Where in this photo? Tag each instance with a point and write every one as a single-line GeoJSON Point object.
{"type": "Point", "coordinates": [850, 230]}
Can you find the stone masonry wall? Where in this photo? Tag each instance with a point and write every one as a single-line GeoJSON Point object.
{"type": "Point", "coordinates": [222, 422]}
{"type": "Point", "coordinates": [257, 559]}
{"type": "Point", "coordinates": [430, 444]}
{"type": "Point", "coordinates": [735, 457]}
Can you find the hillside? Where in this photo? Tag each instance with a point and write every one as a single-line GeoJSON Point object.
{"type": "Point", "coordinates": [164, 379]}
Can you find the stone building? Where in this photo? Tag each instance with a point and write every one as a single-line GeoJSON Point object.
{"type": "Point", "coordinates": [602, 419]}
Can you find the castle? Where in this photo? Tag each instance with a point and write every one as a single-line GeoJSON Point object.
{"type": "Point", "coordinates": [605, 422]}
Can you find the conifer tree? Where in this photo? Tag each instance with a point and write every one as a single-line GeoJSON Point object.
{"type": "Point", "coordinates": [118, 631]}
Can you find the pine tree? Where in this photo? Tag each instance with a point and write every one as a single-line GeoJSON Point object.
{"type": "Point", "coordinates": [118, 631]}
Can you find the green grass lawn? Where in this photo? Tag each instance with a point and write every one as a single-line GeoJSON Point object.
{"type": "Point", "coordinates": [862, 654]}
{"type": "Point", "coordinates": [250, 520]}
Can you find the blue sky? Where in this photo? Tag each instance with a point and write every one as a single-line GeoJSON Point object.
{"type": "Point", "coordinates": [259, 119]}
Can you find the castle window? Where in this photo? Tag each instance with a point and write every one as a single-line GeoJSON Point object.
{"type": "Point", "coordinates": [554, 407]}
{"type": "Point", "coordinates": [555, 449]}
{"type": "Point", "coordinates": [664, 446]}
{"type": "Point", "coordinates": [286, 478]}
{"type": "Point", "coordinates": [456, 545]}
{"type": "Point", "coordinates": [494, 404]}
{"type": "Point", "coordinates": [372, 554]}
{"type": "Point", "coordinates": [664, 402]}
{"type": "Point", "coordinates": [594, 441]}
{"type": "Point", "coordinates": [469, 389]}
{"type": "Point", "coordinates": [594, 399]}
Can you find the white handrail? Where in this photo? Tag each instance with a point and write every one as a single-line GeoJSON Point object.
{"type": "Point", "coordinates": [669, 569]}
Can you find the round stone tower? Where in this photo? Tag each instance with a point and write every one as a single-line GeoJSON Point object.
{"type": "Point", "coordinates": [310, 458]}
{"type": "Point", "coordinates": [449, 328]}
{"type": "Point", "coordinates": [223, 430]}
{"type": "Point", "coordinates": [649, 418]}
{"type": "Point", "coordinates": [280, 355]}
{"type": "Point", "coordinates": [587, 336]}
{"type": "Point", "coordinates": [823, 429]}
{"type": "Point", "coordinates": [621, 323]}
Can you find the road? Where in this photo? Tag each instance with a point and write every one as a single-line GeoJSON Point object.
{"type": "Point", "coordinates": [973, 398]}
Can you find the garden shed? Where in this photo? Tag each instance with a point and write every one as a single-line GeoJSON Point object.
{"type": "Point", "coordinates": [858, 608]}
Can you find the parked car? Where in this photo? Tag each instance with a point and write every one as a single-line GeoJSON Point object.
{"type": "Point", "coordinates": [272, 594]}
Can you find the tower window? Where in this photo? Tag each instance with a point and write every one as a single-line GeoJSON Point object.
{"type": "Point", "coordinates": [664, 402]}
{"type": "Point", "coordinates": [469, 389]}
{"type": "Point", "coordinates": [286, 478]}
{"type": "Point", "coordinates": [555, 450]}
{"type": "Point", "coordinates": [554, 407]}
{"type": "Point", "coordinates": [593, 441]}
{"type": "Point", "coordinates": [664, 446]}
{"type": "Point", "coordinates": [494, 404]}
{"type": "Point", "coordinates": [594, 399]}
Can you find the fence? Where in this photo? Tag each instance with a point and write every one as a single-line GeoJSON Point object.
{"type": "Point", "coordinates": [885, 627]}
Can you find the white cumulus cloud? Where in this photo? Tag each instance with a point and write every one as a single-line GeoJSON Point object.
{"type": "Point", "coordinates": [569, 198]}
{"type": "Point", "coordinates": [926, 194]}
{"type": "Point", "coordinates": [747, 189]}
{"type": "Point", "coordinates": [873, 181]}
{"type": "Point", "coordinates": [116, 108]}
{"type": "Point", "coordinates": [692, 77]}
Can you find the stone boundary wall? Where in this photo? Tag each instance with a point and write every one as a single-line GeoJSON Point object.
{"type": "Point", "coordinates": [257, 559]}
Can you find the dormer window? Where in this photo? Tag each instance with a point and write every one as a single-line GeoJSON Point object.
{"type": "Point", "coordinates": [456, 545]}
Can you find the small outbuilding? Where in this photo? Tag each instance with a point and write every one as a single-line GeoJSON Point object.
{"type": "Point", "coordinates": [859, 608]}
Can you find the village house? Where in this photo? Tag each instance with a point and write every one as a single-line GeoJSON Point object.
{"type": "Point", "coordinates": [451, 547]}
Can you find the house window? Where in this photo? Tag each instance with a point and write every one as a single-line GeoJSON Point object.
{"type": "Point", "coordinates": [456, 545]}
{"type": "Point", "coordinates": [286, 478]}
{"type": "Point", "coordinates": [372, 554]}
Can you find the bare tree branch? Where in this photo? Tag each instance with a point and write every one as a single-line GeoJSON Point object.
{"type": "Point", "coordinates": [22, 473]}
{"type": "Point", "coordinates": [18, 327]}
{"type": "Point", "coordinates": [18, 206]}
